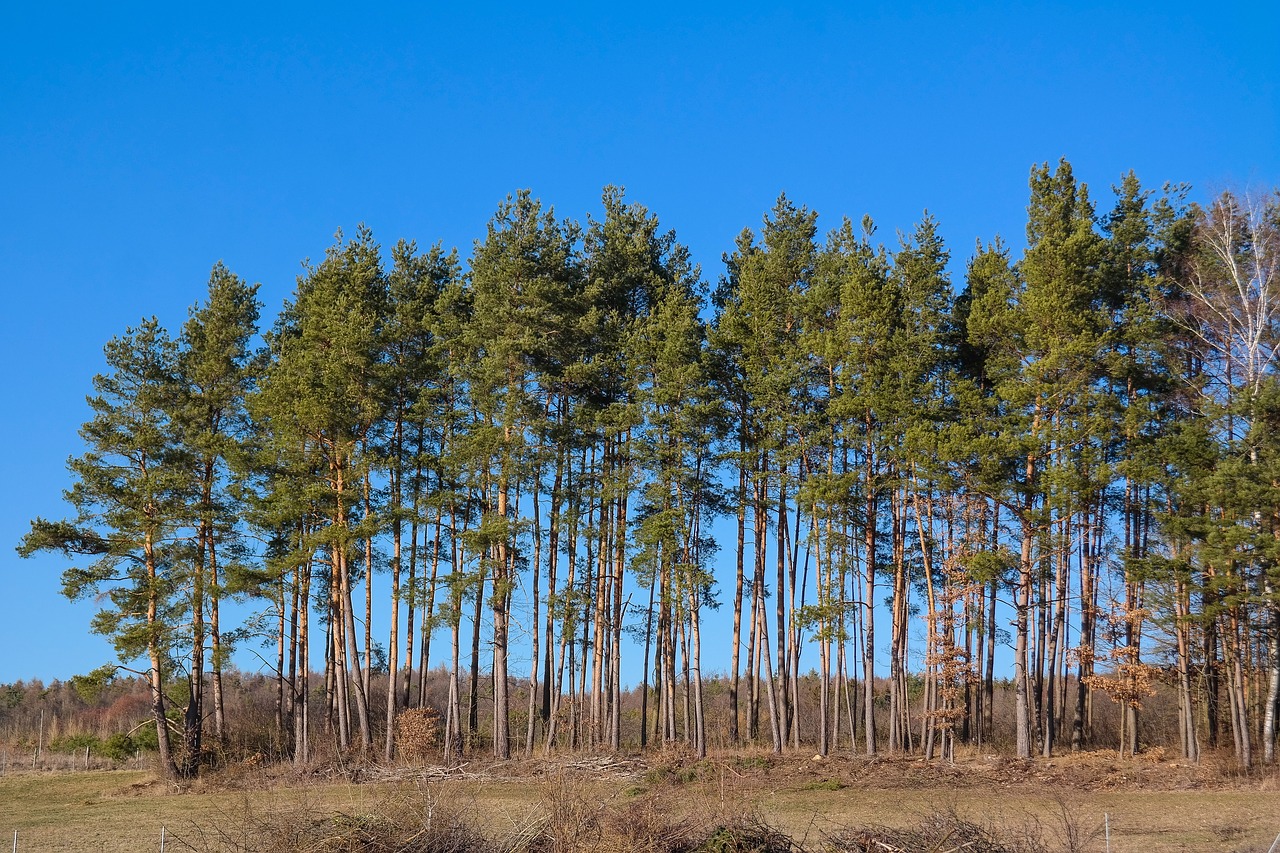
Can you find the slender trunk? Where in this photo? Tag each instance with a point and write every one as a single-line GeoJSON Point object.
{"type": "Point", "coordinates": [1273, 681]}
{"type": "Point", "coordinates": [155, 654]}
{"type": "Point", "coordinates": [366, 671]}
{"type": "Point", "coordinates": [429, 606]}
{"type": "Point", "coordinates": [1022, 718]}
{"type": "Point", "coordinates": [739, 578]}
{"type": "Point", "coordinates": [775, 719]}
{"type": "Point", "coordinates": [302, 689]}
{"type": "Point", "coordinates": [1190, 741]}
{"type": "Point", "coordinates": [615, 651]}
{"type": "Point", "coordinates": [215, 647]}
{"type": "Point", "coordinates": [338, 649]}
{"type": "Point", "coordinates": [1056, 631]}
{"type": "Point", "coordinates": [780, 608]}
{"type": "Point", "coordinates": [601, 607]}
{"type": "Point", "coordinates": [473, 695]}
{"type": "Point", "coordinates": [553, 560]}
{"type": "Point", "coordinates": [453, 706]}
{"type": "Point", "coordinates": [193, 716]}
{"type": "Point", "coordinates": [535, 568]}
{"type": "Point", "coordinates": [868, 600]}
{"type": "Point", "coordinates": [502, 577]}
{"type": "Point", "coordinates": [898, 727]}
{"type": "Point", "coordinates": [282, 627]}
{"type": "Point", "coordinates": [362, 698]}
{"type": "Point", "coordinates": [393, 641]}
{"type": "Point", "coordinates": [567, 616]}
{"type": "Point", "coordinates": [1085, 650]}
{"type": "Point", "coordinates": [411, 583]}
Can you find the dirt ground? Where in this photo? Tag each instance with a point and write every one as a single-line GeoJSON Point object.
{"type": "Point", "coordinates": [1150, 805]}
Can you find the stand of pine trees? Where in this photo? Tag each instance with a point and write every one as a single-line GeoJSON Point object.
{"type": "Point", "coordinates": [573, 444]}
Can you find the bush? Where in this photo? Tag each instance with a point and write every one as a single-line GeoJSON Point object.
{"type": "Point", "coordinates": [144, 738]}
{"type": "Point", "coordinates": [76, 743]}
{"type": "Point", "coordinates": [118, 747]}
{"type": "Point", "coordinates": [407, 820]}
{"type": "Point", "coordinates": [939, 831]}
{"type": "Point", "coordinates": [417, 733]}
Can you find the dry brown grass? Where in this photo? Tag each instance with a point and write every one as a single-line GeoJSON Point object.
{"type": "Point", "coordinates": [661, 804]}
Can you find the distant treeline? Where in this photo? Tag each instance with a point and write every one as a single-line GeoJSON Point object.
{"type": "Point", "coordinates": [53, 725]}
{"type": "Point", "coordinates": [1082, 443]}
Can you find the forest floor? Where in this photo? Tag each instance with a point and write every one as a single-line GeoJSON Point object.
{"type": "Point", "coordinates": [652, 802]}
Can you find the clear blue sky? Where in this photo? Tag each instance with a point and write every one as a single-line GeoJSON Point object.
{"type": "Point", "coordinates": [139, 145]}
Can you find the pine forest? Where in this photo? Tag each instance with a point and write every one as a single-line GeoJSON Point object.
{"type": "Point", "coordinates": [843, 493]}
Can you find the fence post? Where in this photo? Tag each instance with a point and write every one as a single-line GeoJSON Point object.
{"type": "Point", "coordinates": [162, 839]}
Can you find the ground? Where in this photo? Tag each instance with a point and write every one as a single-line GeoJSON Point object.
{"type": "Point", "coordinates": [1151, 805]}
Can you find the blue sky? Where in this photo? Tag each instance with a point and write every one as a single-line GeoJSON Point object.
{"type": "Point", "coordinates": [139, 145]}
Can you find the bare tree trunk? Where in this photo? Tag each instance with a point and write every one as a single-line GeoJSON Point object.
{"type": "Point", "coordinates": [1056, 629]}
{"type": "Point", "coordinates": [155, 675]}
{"type": "Point", "coordinates": [868, 610]}
{"type": "Point", "coordinates": [780, 609]}
{"type": "Point", "coordinates": [362, 702]}
{"type": "Point", "coordinates": [302, 690]}
{"type": "Point", "coordinates": [530, 729]}
{"type": "Point", "coordinates": [503, 575]}
{"type": "Point", "coordinates": [898, 727]}
{"type": "Point", "coordinates": [775, 720]}
{"type": "Point", "coordinates": [366, 671]}
{"type": "Point", "coordinates": [429, 602]}
{"type": "Point", "coordinates": [615, 634]}
{"type": "Point", "coordinates": [553, 562]}
{"type": "Point", "coordinates": [1022, 718]}
{"type": "Point", "coordinates": [473, 688]}
{"type": "Point", "coordinates": [282, 644]}
{"type": "Point", "coordinates": [739, 578]}
{"type": "Point", "coordinates": [1273, 682]}
{"type": "Point", "coordinates": [393, 641]}
{"type": "Point", "coordinates": [1190, 741]}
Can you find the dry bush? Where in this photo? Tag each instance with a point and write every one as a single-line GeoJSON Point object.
{"type": "Point", "coordinates": [253, 773]}
{"type": "Point", "coordinates": [418, 733]}
{"type": "Point", "coordinates": [428, 819]}
{"type": "Point", "coordinates": [406, 821]}
{"type": "Point", "coordinates": [662, 821]}
{"type": "Point", "coordinates": [943, 830]}
{"type": "Point", "coordinates": [573, 817]}
{"type": "Point", "coordinates": [746, 834]}
{"type": "Point", "coordinates": [1074, 832]}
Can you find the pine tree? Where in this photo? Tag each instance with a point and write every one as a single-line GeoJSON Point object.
{"type": "Point", "coordinates": [415, 381]}
{"type": "Point", "coordinates": [922, 359]}
{"type": "Point", "coordinates": [523, 275]}
{"type": "Point", "coordinates": [862, 404]}
{"type": "Point", "coordinates": [324, 395]}
{"type": "Point", "coordinates": [1060, 335]}
{"type": "Point", "coordinates": [216, 368]}
{"type": "Point", "coordinates": [131, 491]}
{"type": "Point", "coordinates": [757, 333]}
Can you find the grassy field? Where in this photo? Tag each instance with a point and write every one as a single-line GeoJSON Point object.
{"type": "Point", "coordinates": [605, 805]}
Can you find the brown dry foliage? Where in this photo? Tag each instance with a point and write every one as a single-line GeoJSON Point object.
{"type": "Point", "coordinates": [418, 733]}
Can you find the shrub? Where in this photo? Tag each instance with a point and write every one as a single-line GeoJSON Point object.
{"type": "Point", "coordinates": [418, 733]}
{"type": "Point", "coordinates": [118, 747]}
{"type": "Point", "coordinates": [942, 830]}
{"type": "Point", "coordinates": [76, 743]}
